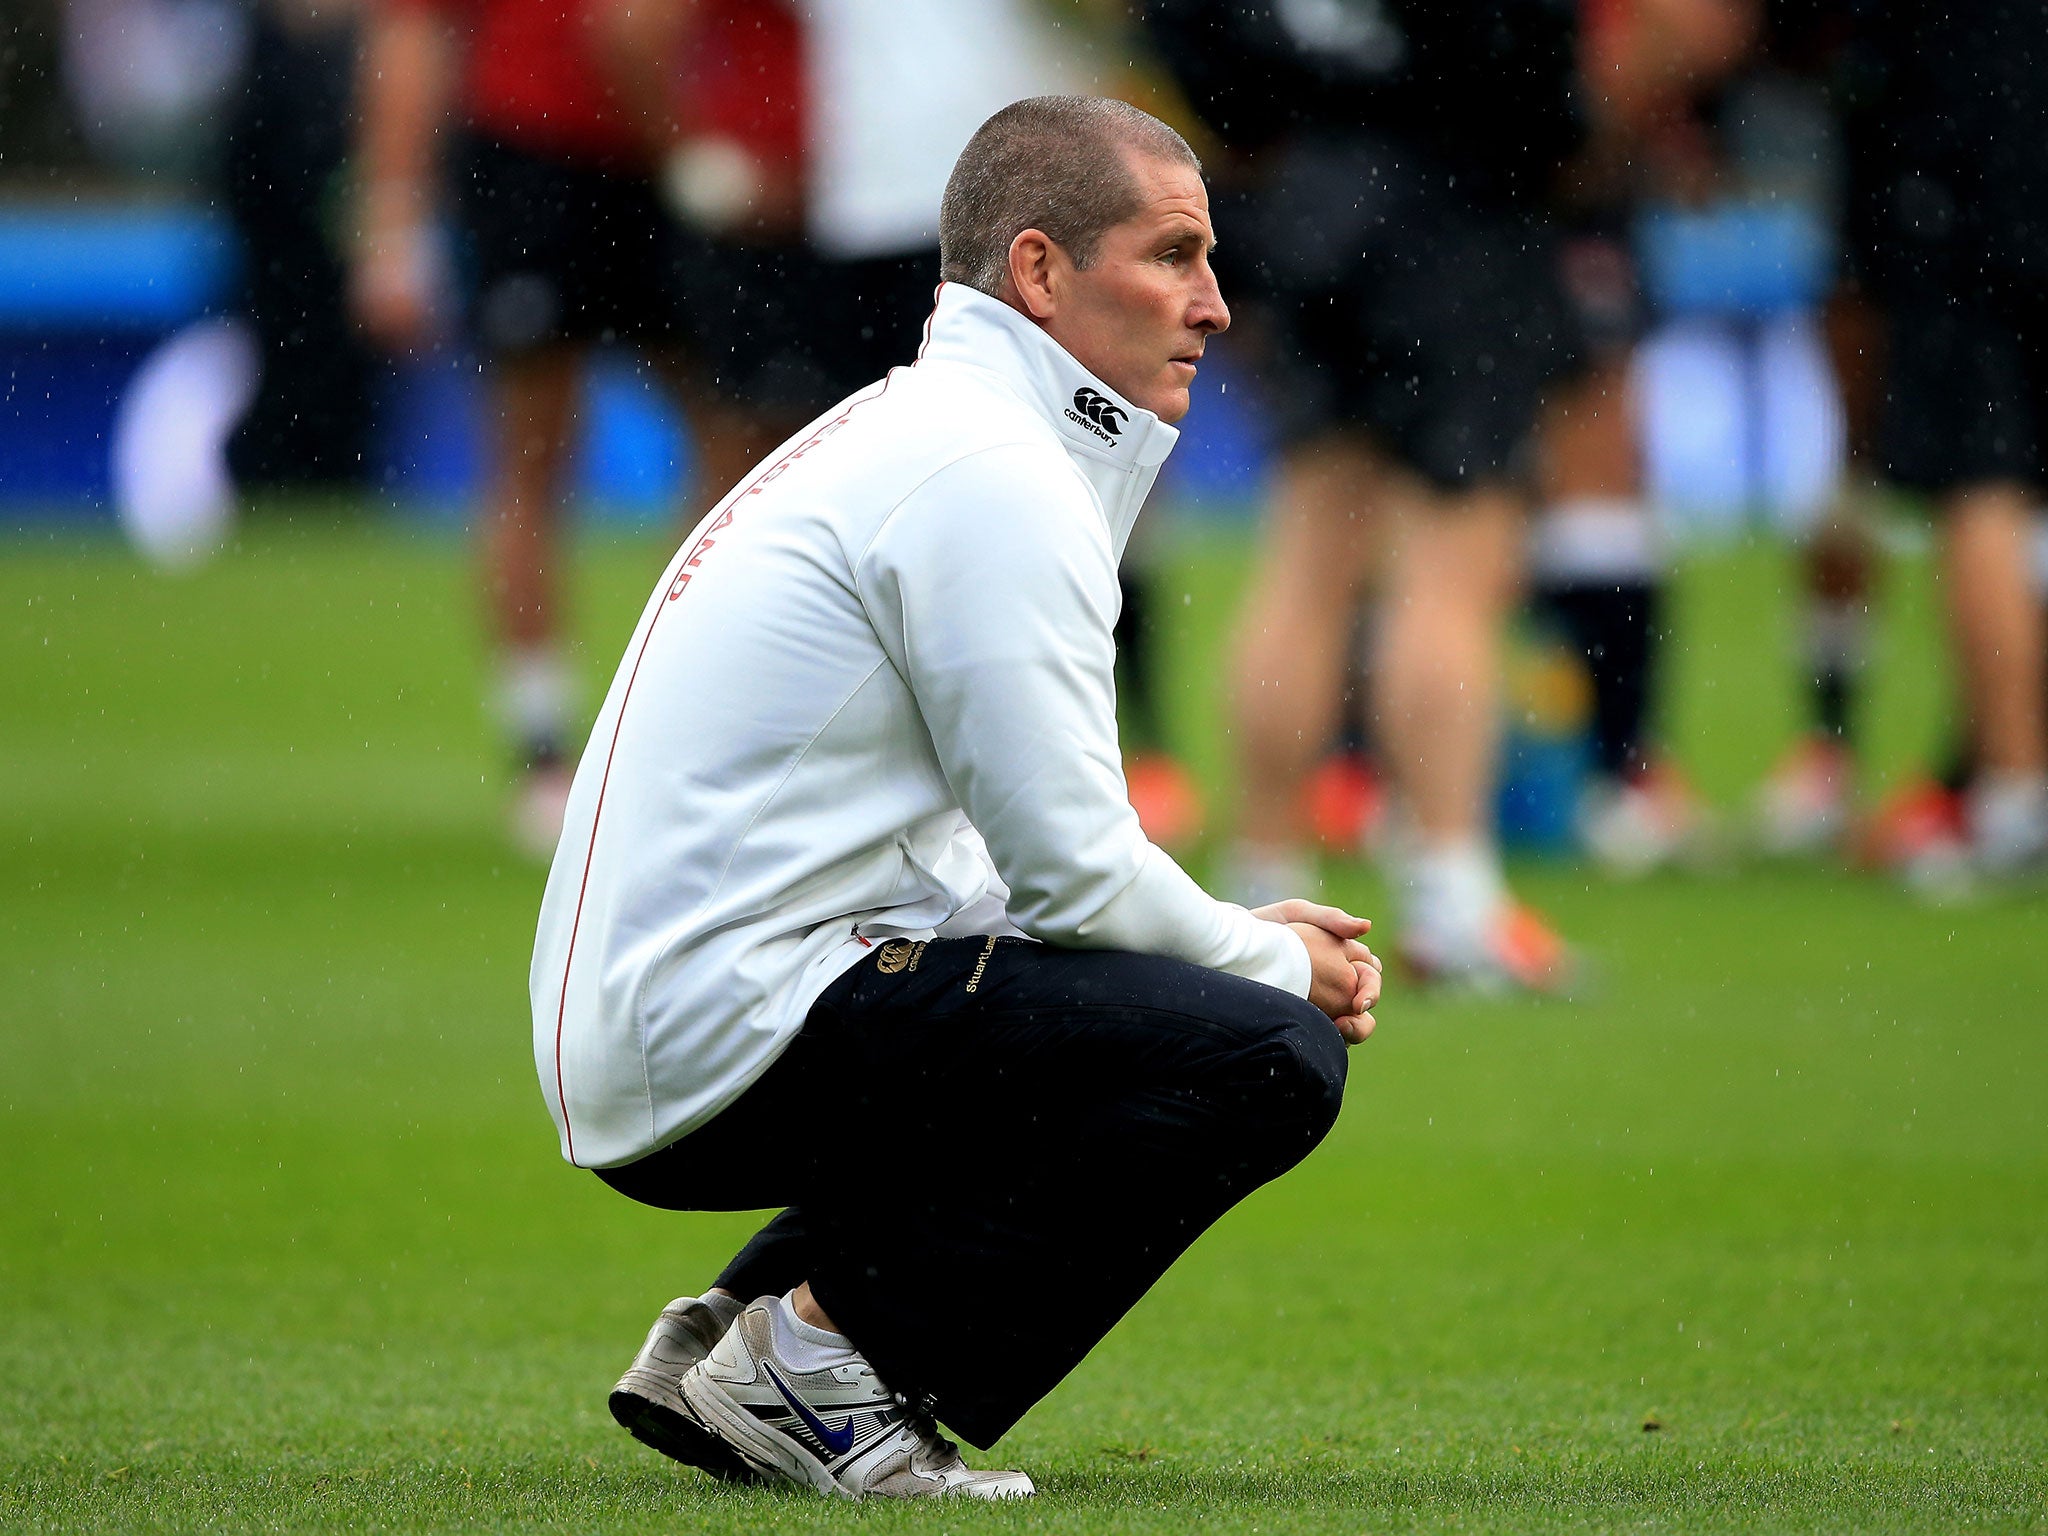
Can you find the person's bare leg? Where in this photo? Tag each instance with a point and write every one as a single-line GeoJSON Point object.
{"type": "Point", "coordinates": [1292, 636]}
{"type": "Point", "coordinates": [532, 402]}
{"type": "Point", "coordinates": [730, 442]}
{"type": "Point", "coordinates": [1590, 447]}
{"type": "Point", "coordinates": [1843, 557]}
{"type": "Point", "coordinates": [1805, 803]}
{"type": "Point", "coordinates": [1996, 613]}
{"type": "Point", "coordinates": [532, 405]}
{"type": "Point", "coordinates": [1987, 561]}
{"type": "Point", "coordinates": [806, 1307]}
{"type": "Point", "coordinates": [730, 438]}
{"type": "Point", "coordinates": [1841, 562]}
{"type": "Point", "coordinates": [1455, 565]}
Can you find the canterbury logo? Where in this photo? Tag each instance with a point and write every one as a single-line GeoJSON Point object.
{"type": "Point", "coordinates": [1101, 410]}
{"type": "Point", "coordinates": [897, 954]}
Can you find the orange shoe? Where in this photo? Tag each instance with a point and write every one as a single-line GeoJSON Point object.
{"type": "Point", "coordinates": [1803, 805]}
{"type": "Point", "coordinates": [1163, 794]}
{"type": "Point", "coordinates": [1519, 952]}
{"type": "Point", "coordinates": [1345, 803]}
{"type": "Point", "coordinates": [1921, 833]}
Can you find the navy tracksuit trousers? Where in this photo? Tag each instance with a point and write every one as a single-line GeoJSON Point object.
{"type": "Point", "coordinates": [990, 1149]}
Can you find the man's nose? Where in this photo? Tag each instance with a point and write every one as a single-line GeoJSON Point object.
{"type": "Point", "coordinates": [1209, 313]}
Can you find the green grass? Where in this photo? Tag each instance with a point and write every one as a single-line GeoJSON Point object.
{"type": "Point", "coordinates": [285, 1242]}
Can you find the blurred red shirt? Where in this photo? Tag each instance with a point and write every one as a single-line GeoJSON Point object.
{"type": "Point", "coordinates": [532, 75]}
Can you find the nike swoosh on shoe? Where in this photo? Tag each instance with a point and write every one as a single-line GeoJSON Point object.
{"type": "Point", "coordinates": [837, 1441]}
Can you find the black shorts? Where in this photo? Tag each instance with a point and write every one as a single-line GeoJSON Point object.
{"type": "Point", "coordinates": [750, 314]}
{"type": "Point", "coordinates": [1966, 384]}
{"type": "Point", "coordinates": [1393, 304]}
{"type": "Point", "coordinates": [558, 252]}
{"type": "Point", "coordinates": [1602, 281]}
{"type": "Point", "coordinates": [869, 315]}
{"type": "Point", "coordinates": [789, 327]}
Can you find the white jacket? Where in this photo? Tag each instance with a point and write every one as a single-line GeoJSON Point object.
{"type": "Point", "coordinates": [887, 645]}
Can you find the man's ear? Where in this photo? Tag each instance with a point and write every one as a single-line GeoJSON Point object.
{"type": "Point", "coordinates": [1033, 258]}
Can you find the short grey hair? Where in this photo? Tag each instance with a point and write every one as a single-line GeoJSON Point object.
{"type": "Point", "coordinates": [1051, 163]}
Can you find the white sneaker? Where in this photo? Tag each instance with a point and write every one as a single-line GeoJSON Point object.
{"type": "Point", "coordinates": [648, 1401]}
{"type": "Point", "coordinates": [1802, 807]}
{"type": "Point", "coordinates": [1516, 952]}
{"type": "Point", "coordinates": [838, 1431]}
{"type": "Point", "coordinates": [1634, 826]}
{"type": "Point", "coordinates": [2009, 824]}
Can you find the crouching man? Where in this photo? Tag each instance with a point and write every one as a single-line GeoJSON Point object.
{"type": "Point", "coordinates": [851, 914]}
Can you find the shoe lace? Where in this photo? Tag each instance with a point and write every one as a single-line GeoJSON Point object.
{"type": "Point", "coordinates": [935, 1446]}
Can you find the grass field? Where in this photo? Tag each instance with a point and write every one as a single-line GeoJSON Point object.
{"type": "Point", "coordinates": [1754, 1238]}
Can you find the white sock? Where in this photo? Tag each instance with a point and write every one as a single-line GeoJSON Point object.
{"type": "Point", "coordinates": [1455, 890]}
{"type": "Point", "coordinates": [1837, 636]}
{"type": "Point", "coordinates": [802, 1347]}
{"type": "Point", "coordinates": [2009, 818]}
{"type": "Point", "coordinates": [536, 695]}
{"type": "Point", "coordinates": [1594, 539]}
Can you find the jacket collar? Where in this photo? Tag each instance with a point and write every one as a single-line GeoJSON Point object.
{"type": "Point", "coordinates": [1093, 420]}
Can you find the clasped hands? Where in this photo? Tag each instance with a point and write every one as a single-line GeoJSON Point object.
{"type": "Point", "coordinates": [1344, 975]}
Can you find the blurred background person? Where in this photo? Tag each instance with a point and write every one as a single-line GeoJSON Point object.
{"type": "Point", "coordinates": [1651, 68]}
{"type": "Point", "coordinates": [156, 91]}
{"type": "Point", "coordinates": [1930, 365]}
{"type": "Point", "coordinates": [1729, 185]}
{"type": "Point", "coordinates": [1793, 122]}
{"type": "Point", "coordinates": [1945, 111]}
{"type": "Point", "coordinates": [593, 203]}
{"type": "Point", "coordinates": [1915, 232]}
{"type": "Point", "coordinates": [1401, 252]}
{"type": "Point", "coordinates": [289, 134]}
{"type": "Point", "coordinates": [897, 87]}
